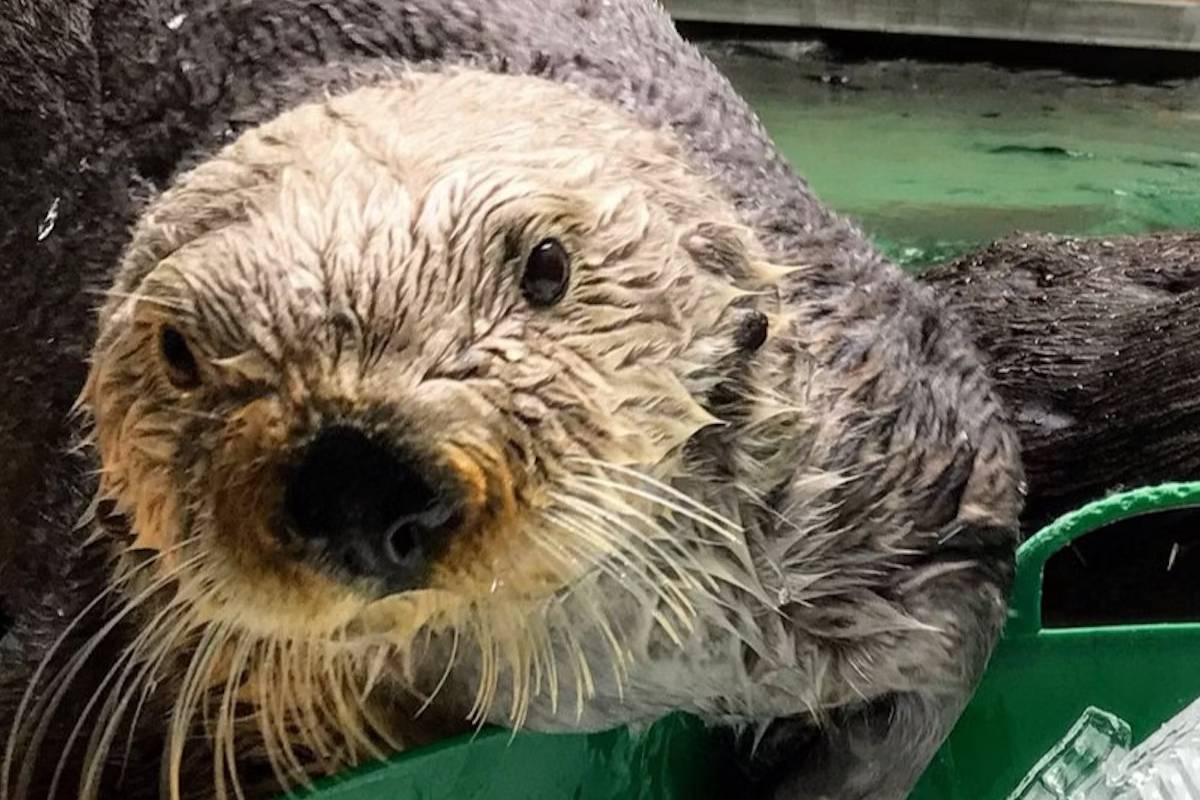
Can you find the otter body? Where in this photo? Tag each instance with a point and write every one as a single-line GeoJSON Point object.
{"type": "Point", "coordinates": [667, 434]}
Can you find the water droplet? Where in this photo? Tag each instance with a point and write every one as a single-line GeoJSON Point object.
{"type": "Point", "coordinates": [46, 227]}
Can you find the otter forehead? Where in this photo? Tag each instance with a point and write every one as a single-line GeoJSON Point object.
{"type": "Point", "coordinates": [422, 151]}
{"type": "Point", "coordinates": [413, 198]}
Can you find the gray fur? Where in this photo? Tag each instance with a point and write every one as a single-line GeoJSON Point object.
{"type": "Point", "coordinates": [922, 528]}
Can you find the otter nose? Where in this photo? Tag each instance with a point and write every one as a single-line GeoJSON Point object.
{"type": "Point", "coordinates": [368, 506]}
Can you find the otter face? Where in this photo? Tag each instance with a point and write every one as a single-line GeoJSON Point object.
{"type": "Point", "coordinates": [422, 356]}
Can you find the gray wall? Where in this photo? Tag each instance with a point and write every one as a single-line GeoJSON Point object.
{"type": "Point", "coordinates": [1167, 24]}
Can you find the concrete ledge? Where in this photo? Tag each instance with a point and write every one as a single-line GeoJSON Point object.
{"type": "Point", "coordinates": [1152, 24]}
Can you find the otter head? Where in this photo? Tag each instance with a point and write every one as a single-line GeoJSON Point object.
{"type": "Point", "coordinates": [426, 355]}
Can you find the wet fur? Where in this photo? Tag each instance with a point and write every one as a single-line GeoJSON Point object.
{"type": "Point", "coordinates": [906, 478]}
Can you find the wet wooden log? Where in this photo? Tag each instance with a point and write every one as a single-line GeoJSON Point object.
{"type": "Point", "coordinates": [1095, 345]}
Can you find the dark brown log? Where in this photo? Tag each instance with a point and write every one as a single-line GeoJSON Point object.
{"type": "Point", "coordinates": [1095, 345]}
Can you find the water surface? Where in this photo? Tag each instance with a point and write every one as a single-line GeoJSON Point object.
{"type": "Point", "coordinates": [935, 159]}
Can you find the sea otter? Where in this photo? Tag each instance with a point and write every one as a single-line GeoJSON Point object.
{"type": "Point", "coordinates": [519, 385]}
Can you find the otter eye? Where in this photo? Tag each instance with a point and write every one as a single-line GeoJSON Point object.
{"type": "Point", "coordinates": [547, 273]}
{"type": "Point", "coordinates": [182, 370]}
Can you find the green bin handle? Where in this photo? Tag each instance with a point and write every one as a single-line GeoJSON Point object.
{"type": "Point", "coordinates": [1026, 605]}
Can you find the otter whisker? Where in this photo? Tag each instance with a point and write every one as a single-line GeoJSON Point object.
{"type": "Point", "coordinates": [289, 717]}
{"type": "Point", "coordinates": [450, 660]}
{"type": "Point", "coordinates": [621, 657]}
{"type": "Point", "coordinates": [678, 537]}
{"type": "Point", "coordinates": [541, 652]}
{"type": "Point", "coordinates": [552, 671]}
{"type": "Point", "coordinates": [514, 643]}
{"type": "Point", "coordinates": [599, 520]}
{"type": "Point", "coordinates": [119, 698]}
{"type": "Point", "coordinates": [323, 709]}
{"type": "Point", "coordinates": [48, 706]}
{"type": "Point", "coordinates": [186, 700]}
{"type": "Point", "coordinates": [585, 687]}
{"type": "Point", "coordinates": [35, 680]}
{"type": "Point", "coordinates": [621, 505]}
{"type": "Point", "coordinates": [261, 715]}
{"type": "Point", "coordinates": [667, 589]}
{"type": "Point", "coordinates": [375, 670]}
{"type": "Point", "coordinates": [374, 724]}
{"type": "Point", "coordinates": [487, 670]}
{"type": "Point", "coordinates": [115, 678]}
{"type": "Point", "coordinates": [169, 303]}
{"type": "Point", "coordinates": [349, 722]}
{"type": "Point", "coordinates": [118, 669]}
{"type": "Point", "coordinates": [622, 579]}
{"type": "Point", "coordinates": [518, 679]}
{"type": "Point", "coordinates": [730, 529]}
{"type": "Point", "coordinates": [747, 580]}
{"type": "Point", "coordinates": [545, 653]}
{"type": "Point", "coordinates": [224, 752]}
{"type": "Point", "coordinates": [275, 703]}
{"type": "Point", "coordinates": [643, 547]}
{"type": "Point", "coordinates": [651, 587]}
{"type": "Point", "coordinates": [530, 674]}
{"type": "Point", "coordinates": [688, 566]}
{"type": "Point", "coordinates": [592, 604]}
{"type": "Point", "coordinates": [317, 689]}
{"type": "Point", "coordinates": [496, 643]}
{"type": "Point", "coordinates": [154, 660]}
{"type": "Point", "coordinates": [354, 718]}
{"type": "Point", "coordinates": [573, 549]}
{"type": "Point", "coordinates": [535, 635]}
{"type": "Point", "coordinates": [657, 585]}
{"type": "Point", "coordinates": [676, 541]}
{"type": "Point", "coordinates": [312, 730]}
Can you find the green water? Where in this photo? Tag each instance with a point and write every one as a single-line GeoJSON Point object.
{"type": "Point", "coordinates": [934, 159]}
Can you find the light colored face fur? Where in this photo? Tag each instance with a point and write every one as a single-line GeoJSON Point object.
{"type": "Point", "coordinates": [359, 262]}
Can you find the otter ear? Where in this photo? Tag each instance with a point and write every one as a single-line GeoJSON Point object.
{"type": "Point", "coordinates": [752, 329]}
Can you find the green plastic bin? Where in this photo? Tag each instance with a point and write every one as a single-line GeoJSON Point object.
{"type": "Point", "coordinates": [666, 763]}
{"type": "Point", "coordinates": [1038, 683]}
{"type": "Point", "coordinates": [1040, 680]}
